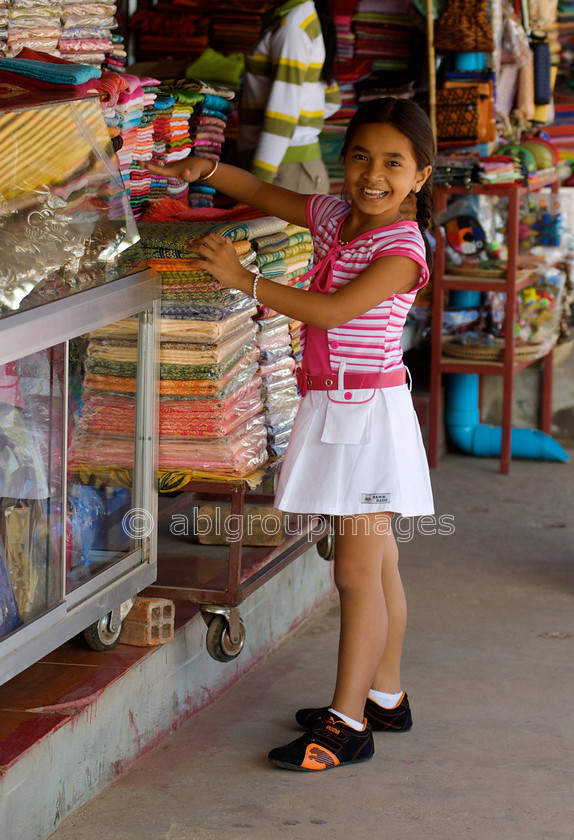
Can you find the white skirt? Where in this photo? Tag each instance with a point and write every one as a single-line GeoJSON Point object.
{"type": "Point", "coordinates": [362, 456]}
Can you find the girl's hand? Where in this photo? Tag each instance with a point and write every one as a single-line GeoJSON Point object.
{"type": "Point", "coordinates": [217, 255]}
{"type": "Point", "coordinates": [190, 169]}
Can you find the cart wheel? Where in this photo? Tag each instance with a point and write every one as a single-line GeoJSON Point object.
{"type": "Point", "coordinates": [103, 634]}
{"type": "Point", "coordinates": [326, 547]}
{"type": "Point", "coordinates": [218, 641]}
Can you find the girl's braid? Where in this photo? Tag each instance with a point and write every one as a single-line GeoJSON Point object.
{"type": "Point", "coordinates": [424, 205]}
{"type": "Point", "coordinates": [424, 214]}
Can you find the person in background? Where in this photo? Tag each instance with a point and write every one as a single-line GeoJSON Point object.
{"type": "Point", "coordinates": [289, 90]}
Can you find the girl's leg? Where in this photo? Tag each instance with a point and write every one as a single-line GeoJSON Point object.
{"type": "Point", "coordinates": [388, 676]}
{"type": "Point", "coordinates": [360, 544]}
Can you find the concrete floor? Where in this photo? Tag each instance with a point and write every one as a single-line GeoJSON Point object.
{"type": "Point", "coordinates": [489, 669]}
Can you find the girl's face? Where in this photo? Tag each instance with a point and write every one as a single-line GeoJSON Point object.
{"type": "Point", "coordinates": [380, 171]}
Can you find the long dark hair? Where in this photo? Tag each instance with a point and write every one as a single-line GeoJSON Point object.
{"type": "Point", "coordinates": [329, 31]}
{"type": "Point", "coordinates": [410, 119]}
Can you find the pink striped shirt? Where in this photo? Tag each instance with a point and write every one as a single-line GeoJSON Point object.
{"type": "Point", "coordinates": [371, 342]}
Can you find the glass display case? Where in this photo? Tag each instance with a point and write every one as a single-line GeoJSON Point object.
{"type": "Point", "coordinates": [78, 402]}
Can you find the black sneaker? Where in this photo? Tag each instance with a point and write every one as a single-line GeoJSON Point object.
{"type": "Point", "coordinates": [330, 744]}
{"type": "Point", "coordinates": [397, 719]}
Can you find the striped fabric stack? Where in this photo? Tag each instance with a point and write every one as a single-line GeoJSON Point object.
{"type": "Point", "coordinates": [211, 419]}
{"type": "Point", "coordinates": [129, 112]}
{"type": "Point", "coordinates": [140, 177]}
{"type": "Point", "coordinates": [236, 25]}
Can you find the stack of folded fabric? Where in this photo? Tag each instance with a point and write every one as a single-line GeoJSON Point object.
{"type": "Point", "coordinates": [345, 34]}
{"type": "Point", "coordinates": [386, 34]}
{"type": "Point", "coordinates": [163, 105]}
{"type": "Point", "coordinates": [140, 177]}
{"type": "Point", "coordinates": [116, 56]}
{"type": "Point", "coordinates": [207, 127]}
{"type": "Point", "coordinates": [174, 130]}
{"type": "Point", "coordinates": [31, 23]}
{"type": "Point", "coordinates": [129, 110]}
{"type": "Point", "coordinates": [278, 384]}
{"type": "Point", "coordinates": [178, 29]}
{"type": "Point", "coordinates": [384, 31]}
{"type": "Point", "coordinates": [284, 255]}
{"type": "Point", "coordinates": [211, 414]}
{"type": "Point", "coordinates": [236, 25]}
{"type": "Point", "coordinates": [86, 30]}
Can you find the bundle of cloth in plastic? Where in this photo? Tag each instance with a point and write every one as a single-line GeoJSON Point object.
{"type": "Point", "coordinates": [211, 415]}
{"type": "Point", "coordinates": [278, 385]}
{"type": "Point", "coordinates": [283, 256]}
{"type": "Point", "coordinates": [87, 30]}
{"type": "Point", "coordinates": [31, 23]}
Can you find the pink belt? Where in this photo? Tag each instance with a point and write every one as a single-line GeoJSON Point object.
{"type": "Point", "coordinates": [352, 381]}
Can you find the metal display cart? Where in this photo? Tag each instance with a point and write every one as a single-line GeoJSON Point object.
{"type": "Point", "coordinates": [76, 543]}
{"type": "Point", "coordinates": [219, 578]}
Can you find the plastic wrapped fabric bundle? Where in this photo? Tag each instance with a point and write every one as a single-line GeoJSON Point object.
{"type": "Point", "coordinates": [246, 365]}
{"type": "Point", "coordinates": [237, 454]}
{"type": "Point", "coordinates": [193, 311]}
{"type": "Point", "coordinates": [173, 353]}
{"type": "Point", "coordinates": [187, 418]}
{"type": "Point", "coordinates": [245, 369]}
{"type": "Point", "coordinates": [207, 331]}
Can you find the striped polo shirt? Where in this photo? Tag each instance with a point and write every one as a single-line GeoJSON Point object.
{"type": "Point", "coordinates": [371, 342]}
{"type": "Point", "coordinates": [284, 101]}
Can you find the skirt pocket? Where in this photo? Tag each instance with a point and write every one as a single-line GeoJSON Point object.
{"type": "Point", "coordinates": [348, 422]}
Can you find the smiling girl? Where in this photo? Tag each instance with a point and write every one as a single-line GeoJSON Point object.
{"type": "Point", "coordinates": [356, 452]}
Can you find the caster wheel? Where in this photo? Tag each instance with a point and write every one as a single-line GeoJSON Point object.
{"type": "Point", "coordinates": [218, 641]}
{"type": "Point", "coordinates": [103, 634]}
{"type": "Point", "coordinates": [326, 547]}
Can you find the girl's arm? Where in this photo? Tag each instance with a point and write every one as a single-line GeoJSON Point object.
{"type": "Point", "coordinates": [385, 276]}
{"type": "Point", "coordinates": [241, 186]}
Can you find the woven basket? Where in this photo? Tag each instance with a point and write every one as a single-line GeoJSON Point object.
{"type": "Point", "coordinates": [523, 352]}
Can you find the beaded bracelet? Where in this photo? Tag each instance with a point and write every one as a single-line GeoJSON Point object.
{"type": "Point", "coordinates": [254, 290]}
{"type": "Point", "coordinates": [212, 171]}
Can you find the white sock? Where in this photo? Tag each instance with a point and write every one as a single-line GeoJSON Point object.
{"type": "Point", "coordinates": [354, 724]}
{"type": "Point", "coordinates": [387, 701]}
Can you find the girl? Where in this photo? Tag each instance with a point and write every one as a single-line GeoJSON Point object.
{"type": "Point", "coordinates": [356, 451]}
{"type": "Point", "coordinates": [288, 91]}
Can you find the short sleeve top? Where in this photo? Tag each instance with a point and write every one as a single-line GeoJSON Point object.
{"type": "Point", "coordinates": [371, 342]}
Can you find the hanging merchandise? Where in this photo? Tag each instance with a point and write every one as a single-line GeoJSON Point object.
{"type": "Point", "coordinates": [464, 27]}
{"type": "Point", "coordinates": [542, 68]}
{"type": "Point", "coordinates": [465, 111]}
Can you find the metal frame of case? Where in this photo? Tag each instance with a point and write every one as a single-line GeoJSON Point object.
{"type": "Point", "coordinates": [55, 323]}
{"type": "Point", "coordinates": [57, 156]}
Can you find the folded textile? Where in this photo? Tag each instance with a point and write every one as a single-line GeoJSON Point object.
{"type": "Point", "coordinates": [57, 74]}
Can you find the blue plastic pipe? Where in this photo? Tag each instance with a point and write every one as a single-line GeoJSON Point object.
{"type": "Point", "coordinates": [463, 424]}
{"type": "Point", "coordinates": [462, 416]}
